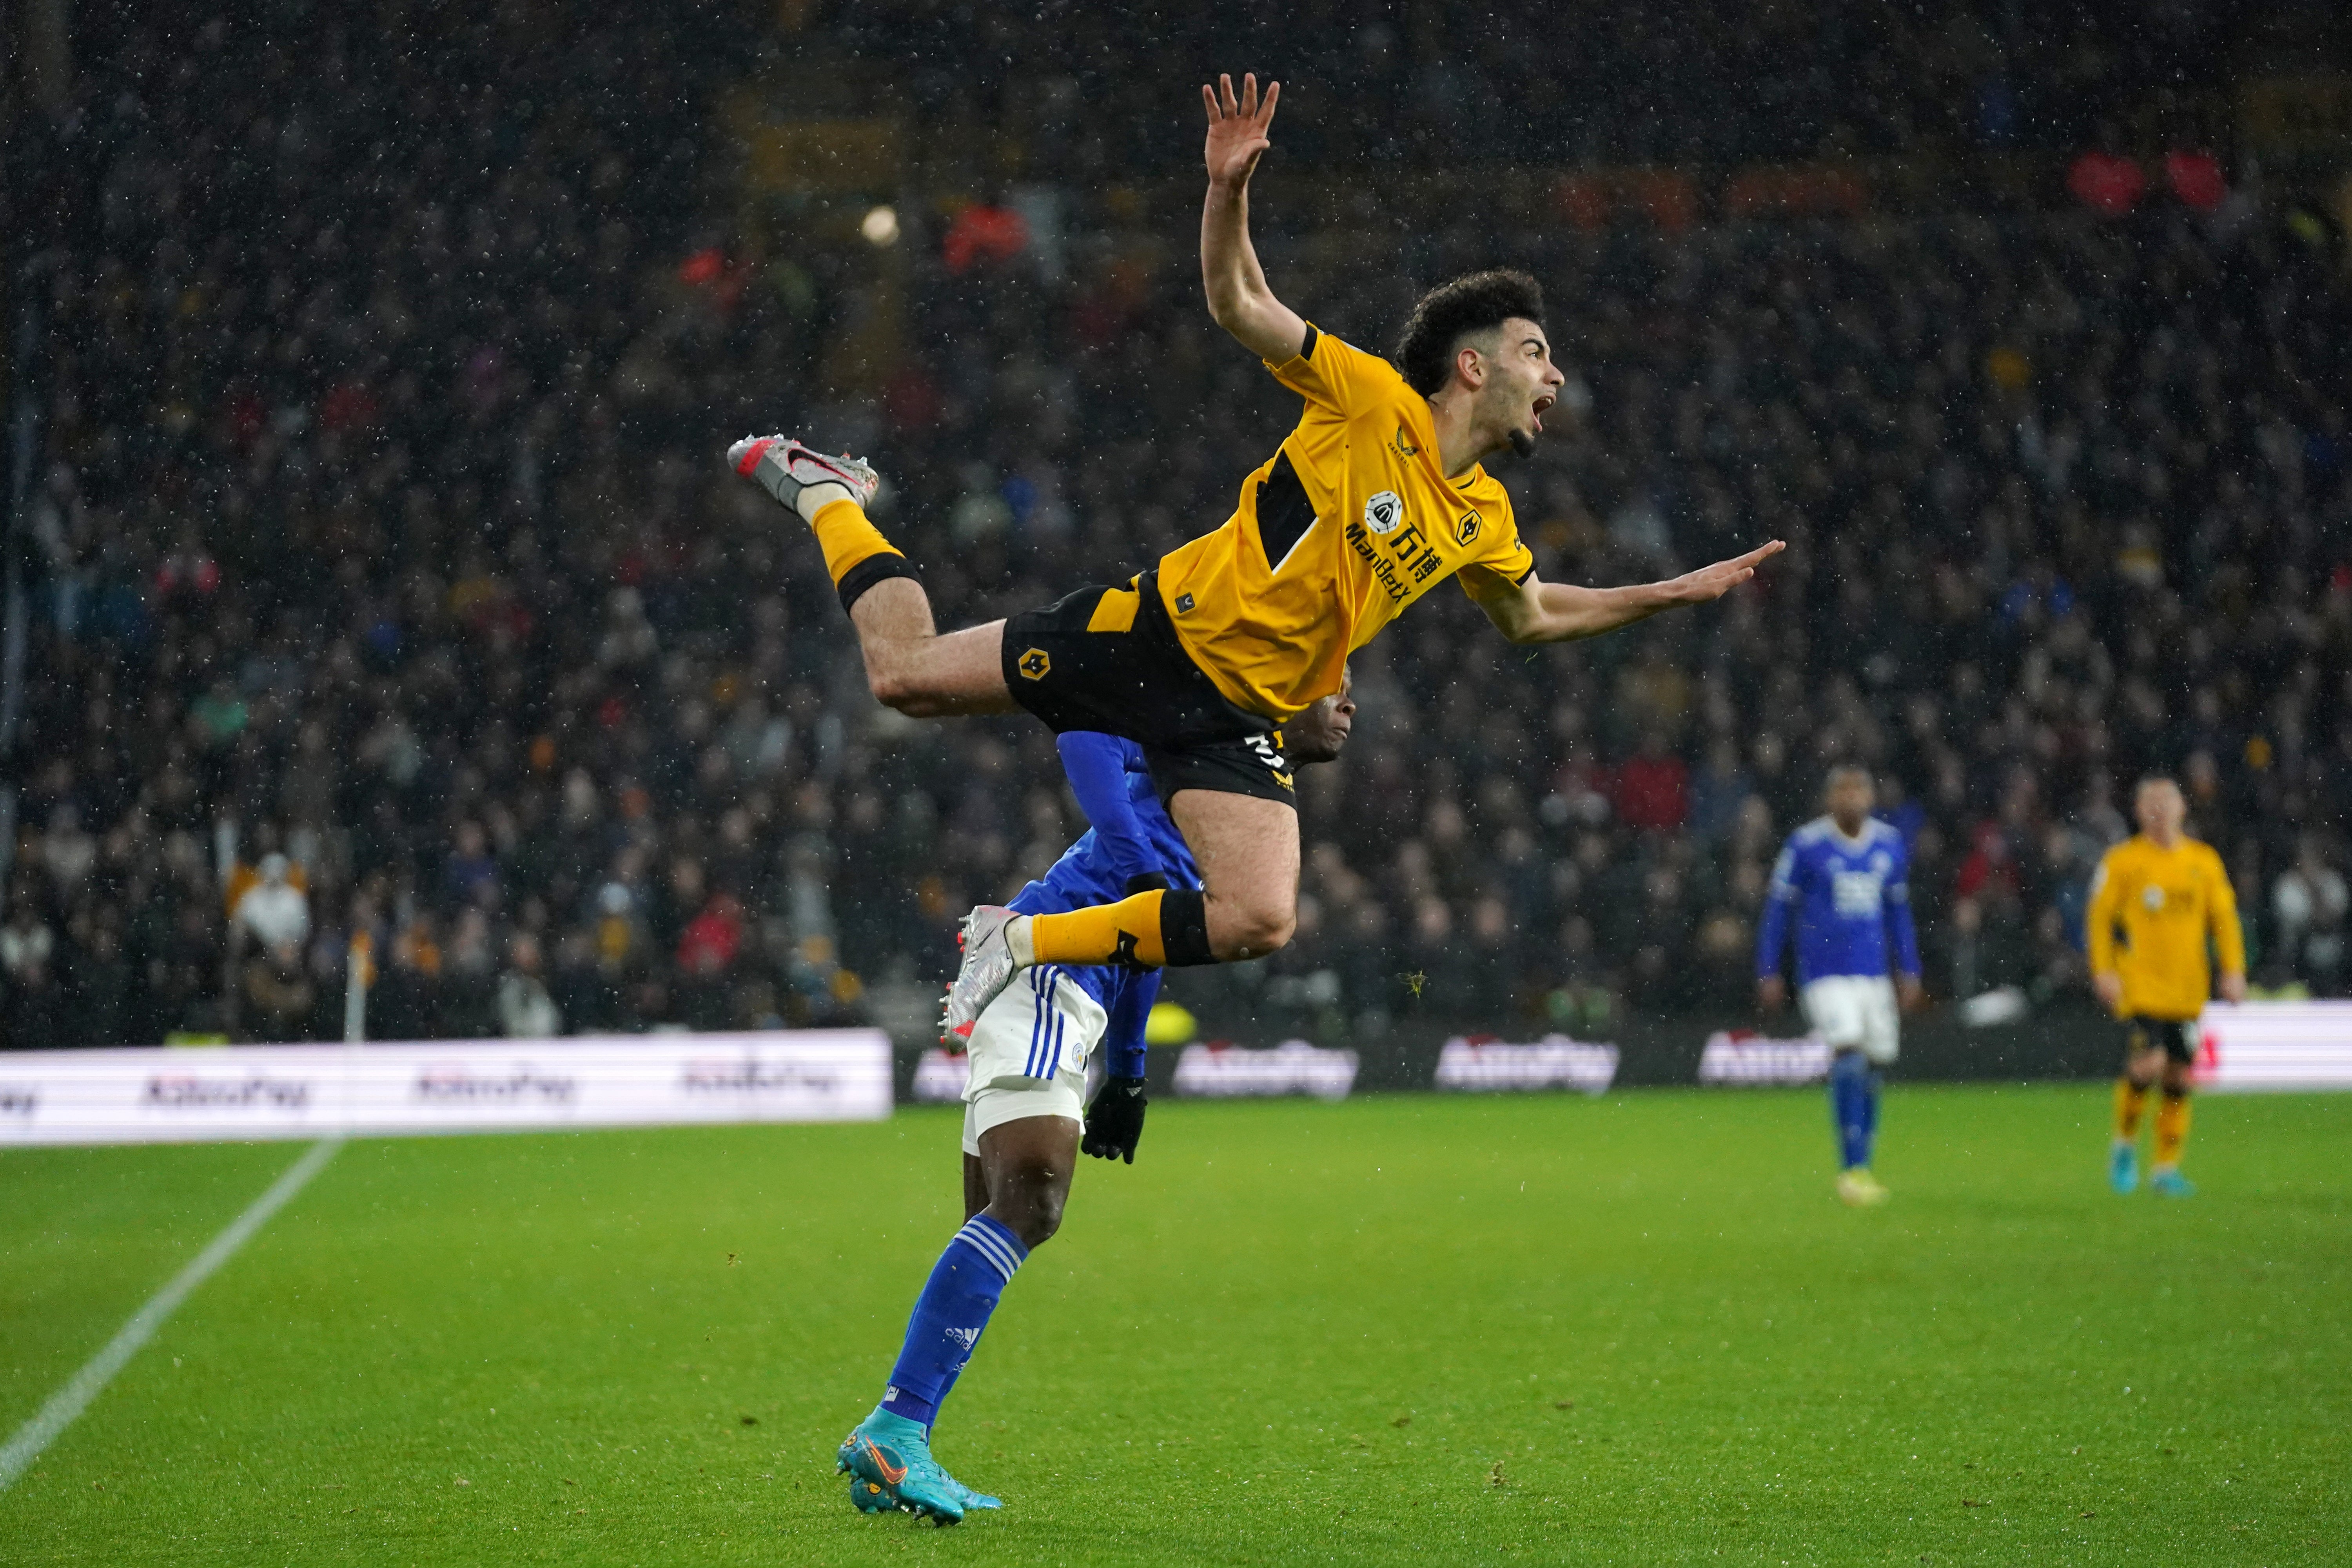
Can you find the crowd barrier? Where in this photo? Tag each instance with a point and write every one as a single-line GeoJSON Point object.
{"type": "Point", "coordinates": [154, 1095]}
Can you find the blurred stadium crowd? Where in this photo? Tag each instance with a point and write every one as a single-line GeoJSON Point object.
{"type": "Point", "coordinates": [389, 584]}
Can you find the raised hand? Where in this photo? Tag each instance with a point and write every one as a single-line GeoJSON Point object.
{"type": "Point", "coordinates": [1714, 582]}
{"type": "Point", "coordinates": [1237, 128]}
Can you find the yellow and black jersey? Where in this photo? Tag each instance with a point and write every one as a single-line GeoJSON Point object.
{"type": "Point", "coordinates": [2169, 903]}
{"type": "Point", "coordinates": [1350, 521]}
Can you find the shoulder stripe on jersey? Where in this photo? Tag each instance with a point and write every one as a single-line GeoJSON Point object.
{"type": "Point", "coordinates": [1283, 512]}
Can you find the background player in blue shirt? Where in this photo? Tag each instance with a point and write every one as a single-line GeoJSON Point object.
{"type": "Point", "coordinates": [1025, 1116]}
{"type": "Point", "coordinates": [1842, 882]}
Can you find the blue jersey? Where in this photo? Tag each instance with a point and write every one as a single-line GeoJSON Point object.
{"type": "Point", "coordinates": [1132, 836]}
{"type": "Point", "coordinates": [1847, 895]}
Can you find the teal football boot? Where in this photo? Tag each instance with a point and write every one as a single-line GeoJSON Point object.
{"type": "Point", "coordinates": [2123, 1169]}
{"type": "Point", "coordinates": [972, 1500]}
{"type": "Point", "coordinates": [887, 1459]}
{"type": "Point", "coordinates": [2168, 1183]}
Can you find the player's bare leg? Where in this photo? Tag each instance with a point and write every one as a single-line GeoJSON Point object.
{"type": "Point", "coordinates": [1247, 849]}
{"type": "Point", "coordinates": [1022, 1178]}
{"type": "Point", "coordinates": [909, 666]}
{"type": "Point", "coordinates": [912, 668]}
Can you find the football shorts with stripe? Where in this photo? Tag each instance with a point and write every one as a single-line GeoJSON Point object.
{"type": "Point", "coordinates": [1028, 1053]}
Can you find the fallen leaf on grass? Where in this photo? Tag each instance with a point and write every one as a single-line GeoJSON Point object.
{"type": "Point", "coordinates": [1401, 1420]}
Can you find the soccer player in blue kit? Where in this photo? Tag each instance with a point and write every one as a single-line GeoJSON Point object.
{"type": "Point", "coordinates": [1843, 878]}
{"type": "Point", "coordinates": [1025, 1115]}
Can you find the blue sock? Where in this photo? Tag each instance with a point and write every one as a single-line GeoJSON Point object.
{"type": "Point", "coordinates": [949, 1316]}
{"type": "Point", "coordinates": [1850, 1107]}
{"type": "Point", "coordinates": [1870, 1115]}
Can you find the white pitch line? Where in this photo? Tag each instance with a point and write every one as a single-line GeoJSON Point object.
{"type": "Point", "coordinates": [85, 1385]}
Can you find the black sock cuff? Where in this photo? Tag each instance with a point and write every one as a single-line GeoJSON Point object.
{"type": "Point", "coordinates": [1185, 927]}
{"type": "Point", "coordinates": [874, 569]}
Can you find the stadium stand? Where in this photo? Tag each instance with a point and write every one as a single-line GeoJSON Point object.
{"type": "Point", "coordinates": [382, 529]}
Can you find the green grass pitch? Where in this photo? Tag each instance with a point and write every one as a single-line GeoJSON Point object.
{"type": "Point", "coordinates": [1635, 1330]}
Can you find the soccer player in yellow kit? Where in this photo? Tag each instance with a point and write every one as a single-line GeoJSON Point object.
{"type": "Point", "coordinates": [1376, 498]}
{"type": "Point", "coordinates": [2170, 895]}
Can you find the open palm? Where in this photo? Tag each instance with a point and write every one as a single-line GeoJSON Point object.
{"type": "Point", "coordinates": [1237, 127]}
{"type": "Point", "coordinates": [1714, 582]}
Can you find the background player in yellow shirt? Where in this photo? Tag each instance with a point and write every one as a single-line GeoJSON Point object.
{"type": "Point", "coordinates": [2170, 896]}
{"type": "Point", "coordinates": [1377, 497]}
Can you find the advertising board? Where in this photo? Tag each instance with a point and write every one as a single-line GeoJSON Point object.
{"type": "Point", "coordinates": [1739, 1057]}
{"type": "Point", "coordinates": [1294, 1066]}
{"type": "Point", "coordinates": [1555, 1061]}
{"type": "Point", "coordinates": [232, 1092]}
{"type": "Point", "coordinates": [2275, 1045]}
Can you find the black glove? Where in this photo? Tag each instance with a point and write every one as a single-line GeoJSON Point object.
{"type": "Point", "coordinates": [1146, 882]}
{"type": "Point", "coordinates": [1115, 1119]}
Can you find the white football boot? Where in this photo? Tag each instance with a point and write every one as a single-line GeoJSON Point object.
{"type": "Point", "coordinates": [989, 967]}
{"type": "Point", "coordinates": [784, 468]}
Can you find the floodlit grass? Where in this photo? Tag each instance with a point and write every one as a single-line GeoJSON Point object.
{"type": "Point", "coordinates": [1637, 1330]}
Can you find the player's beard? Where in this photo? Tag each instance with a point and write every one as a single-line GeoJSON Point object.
{"type": "Point", "coordinates": [1523, 442]}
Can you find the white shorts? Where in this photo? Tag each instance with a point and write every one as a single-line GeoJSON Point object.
{"type": "Point", "coordinates": [1853, 1011]}
{"type": "Point", "coordinates": [1028, 1053]}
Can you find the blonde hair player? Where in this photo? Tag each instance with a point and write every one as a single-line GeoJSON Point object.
{"type": "Point", "coordinates": [2168, 899]}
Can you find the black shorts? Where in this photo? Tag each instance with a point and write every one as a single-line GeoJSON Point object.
{"type": "Point", "coordinates": [2177, 1038]}
{"type": "Point", "coordinates": [1107, 659]}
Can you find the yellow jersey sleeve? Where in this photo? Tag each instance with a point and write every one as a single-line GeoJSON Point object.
{"type": "Point", "coordinates": [2099, 923]}
{"type": "Point", "coordinates": [2221, 915]}
{"type": "Point", "coordinates": [1337, 376]}
{"type": "Point", "coordinates": [1502, 558]}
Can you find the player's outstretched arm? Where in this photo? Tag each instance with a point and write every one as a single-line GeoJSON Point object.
{"type": "Point", "coordinates": [1537, 611]}
{"type": "Point", "coordinates": [1239, 300]}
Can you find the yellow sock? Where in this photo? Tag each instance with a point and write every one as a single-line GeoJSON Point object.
{"type": "Point", "coordinates": [2130, 1098]}
{"type": "Point", "coordinates": [847, 537]}
{"type": "Point", "coordinates": [1126, 931]}
{"type": "Point", "coordinates": [2171, 1127]}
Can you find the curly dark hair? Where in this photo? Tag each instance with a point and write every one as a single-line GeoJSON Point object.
{"type": "Point", "coordinates": [1475, 303]}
